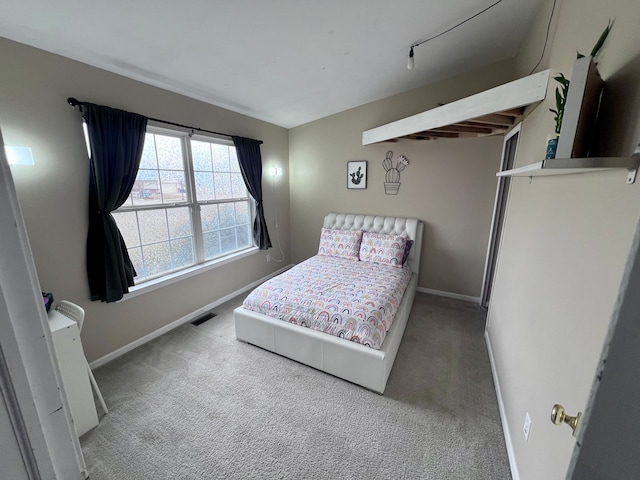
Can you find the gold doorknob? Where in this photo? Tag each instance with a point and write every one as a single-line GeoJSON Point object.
{"type": "Point", "coordinates": [558, 416]}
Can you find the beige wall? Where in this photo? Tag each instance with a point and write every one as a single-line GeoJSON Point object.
{"type": "Point", "coordinates": [449, 184]}
{"type": "Point", "coordinates": [565, 242]}
{"type": "Point", "coordinates": [34, 86]}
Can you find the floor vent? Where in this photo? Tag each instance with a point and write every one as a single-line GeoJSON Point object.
{"type": "Point", "coordinates": [202, 319]}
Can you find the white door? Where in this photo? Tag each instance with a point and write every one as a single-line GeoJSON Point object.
{"type": "Point", "coordinates": [11, 453]}
{"type": "Point", "coordinates": [30, 381]}
{"type": "Point", "coordinates": [608, 440]}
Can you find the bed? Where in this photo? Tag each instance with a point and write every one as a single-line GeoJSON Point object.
{"type": "Point", "coordinates": [361, 363]}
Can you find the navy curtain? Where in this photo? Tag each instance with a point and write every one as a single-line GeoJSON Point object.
{"type": "Point", "coordinates": [250, 161]}
{"type": "Point", "coordinates": [116, 139]}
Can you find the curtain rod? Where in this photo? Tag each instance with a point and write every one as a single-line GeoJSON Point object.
{"type": "Point", "coordinates": [74, 102]}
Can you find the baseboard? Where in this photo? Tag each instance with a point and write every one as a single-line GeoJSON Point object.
{"type": "Point", "coordinates": [181, 321]}
{"type": "Point", "coordinates": [457, 296]}
{"type": "Point", "coordinates": [503, 415]}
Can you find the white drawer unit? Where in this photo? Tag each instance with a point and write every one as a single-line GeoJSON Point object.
{"type": "Point", "coordinates": [73, 367]}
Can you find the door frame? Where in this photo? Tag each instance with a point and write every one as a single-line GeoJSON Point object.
{"type": "Point", "coordinates": [499, 210]}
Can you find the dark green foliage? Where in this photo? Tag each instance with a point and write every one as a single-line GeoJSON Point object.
{"type": "Point", "coordinates": [561, 98]}
{"type": "Point", "coordinates": [603, 37]}
{"type": "Point", "coordinates": [563, 89]}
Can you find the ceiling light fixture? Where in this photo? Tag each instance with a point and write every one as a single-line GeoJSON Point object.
{"type": "Point", "coordinates": [410, 61]}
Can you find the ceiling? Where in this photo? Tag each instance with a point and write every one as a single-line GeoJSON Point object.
{"type": "Point", "coordinates": [287, 62]}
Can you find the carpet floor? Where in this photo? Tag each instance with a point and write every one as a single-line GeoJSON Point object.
{"type": "Point", "coordinates": [197, 404]}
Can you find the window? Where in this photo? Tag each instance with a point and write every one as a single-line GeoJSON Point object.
{"type": "Point", "coordinates": [188, 205]}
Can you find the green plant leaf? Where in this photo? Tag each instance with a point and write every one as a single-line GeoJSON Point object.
{"type": "Point", "coordinates": [561, 97]}
{"type": "Point", "coordinates": [602, 39]}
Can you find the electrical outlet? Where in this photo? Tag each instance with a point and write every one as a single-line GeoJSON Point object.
{"type": "Point", "coordinates": [268, 257]}
{"type": "Point", "coordinates": [526, 427]}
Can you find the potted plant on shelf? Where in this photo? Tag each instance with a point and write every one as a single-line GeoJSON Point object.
{"type": "Point", "coordinates": [561, 99]}
{"type": "Point", "coordinates": [563, 89]}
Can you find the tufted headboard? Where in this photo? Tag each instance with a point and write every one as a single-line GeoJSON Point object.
{"type": "Point", "coordinates": [412, 227]}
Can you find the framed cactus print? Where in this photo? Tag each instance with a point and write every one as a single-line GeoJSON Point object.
{"type": "Point", "coordinates": [357, 174]}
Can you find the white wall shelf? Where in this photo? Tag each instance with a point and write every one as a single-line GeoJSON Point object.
{"type": "Point", "coordinates": [564, 166]}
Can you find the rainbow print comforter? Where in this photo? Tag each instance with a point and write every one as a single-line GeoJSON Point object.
{"type": "Point", "coordinates": [353, 300]}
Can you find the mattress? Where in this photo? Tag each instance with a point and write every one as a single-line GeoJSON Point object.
{"type": "Point", "coordinates": [354, 300]}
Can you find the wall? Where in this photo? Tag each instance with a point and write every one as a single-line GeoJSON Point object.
{"type": "Point", "coordinates": [449, 184]}
{"type": "Point", "coordinates": [34, 87]}
{"type": "Point", "coordinates": [565, 241]}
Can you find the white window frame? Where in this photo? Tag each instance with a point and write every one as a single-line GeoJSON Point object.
{"type": "Point", "coordinates": [194, 207]}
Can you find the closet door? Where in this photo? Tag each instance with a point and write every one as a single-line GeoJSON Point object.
{"type": "Point", "coordinates": [509, 148]}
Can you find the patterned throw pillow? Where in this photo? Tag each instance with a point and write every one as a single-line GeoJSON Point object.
{"type": "Point", "coordinates": [407, 249]}
{"type": "Point", "coordinates": [381, 248]}
{"type": "Point", "coordinates": [340, 243]}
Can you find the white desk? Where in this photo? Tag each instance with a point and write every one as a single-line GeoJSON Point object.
{"type": "Point", "coordinates": [73, 367]}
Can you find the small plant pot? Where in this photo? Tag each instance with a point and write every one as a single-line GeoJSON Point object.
{"type": "Point", "coordinates": [391, 188]}
{"type": "Point", "coordinates": [552, 147]}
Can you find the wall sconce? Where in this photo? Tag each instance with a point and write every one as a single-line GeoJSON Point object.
{"type": "Point", "coordinates": [19, 155]}
{"type": "Point", "coordinates": [276, 171]}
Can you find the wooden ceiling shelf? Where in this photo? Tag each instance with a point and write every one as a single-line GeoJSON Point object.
{"type": "Point", "coordinates": [491, 112]}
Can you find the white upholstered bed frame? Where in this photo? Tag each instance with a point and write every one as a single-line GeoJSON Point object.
{"type": "Point", "coordinates": [348, 360]}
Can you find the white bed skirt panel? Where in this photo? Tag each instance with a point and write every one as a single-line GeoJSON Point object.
{"type": "Point", "coordinates": [350, 361]}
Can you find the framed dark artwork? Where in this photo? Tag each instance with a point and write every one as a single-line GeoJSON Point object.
{"type": "Point", "coordinates": [357, 174]}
